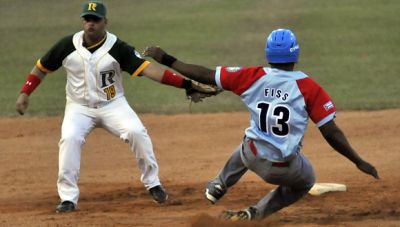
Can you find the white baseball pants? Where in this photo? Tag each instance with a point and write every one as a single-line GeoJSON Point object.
{"type": "Point", "coordinates": [118, 118]}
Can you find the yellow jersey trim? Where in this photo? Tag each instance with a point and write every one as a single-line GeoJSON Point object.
{"type": "Point", "coordinates": [41, 67]}
{"type": "Point", "coordinates": [95, 45]}
{"type": "Point", "coordinates": [141, 68]}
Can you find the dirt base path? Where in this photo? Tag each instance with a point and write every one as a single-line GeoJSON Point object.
{"type": "Point", "coordinates": [190, 150]}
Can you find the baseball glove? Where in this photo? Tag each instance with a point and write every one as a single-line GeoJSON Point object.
{"type": "Point", "coordinates": [198, 91]}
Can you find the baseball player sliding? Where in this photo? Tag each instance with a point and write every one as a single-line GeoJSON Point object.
{"type": "Point", "coordinates": [280, 101]}
{"type": "Point", "coordinates": [94, 60]}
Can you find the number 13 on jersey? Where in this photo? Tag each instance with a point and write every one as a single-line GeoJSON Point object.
{"type": "Point", "coordinates": [279, 114]}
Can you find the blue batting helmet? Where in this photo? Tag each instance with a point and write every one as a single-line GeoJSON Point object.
{"type": "Point", "coordinates": [282, 47]}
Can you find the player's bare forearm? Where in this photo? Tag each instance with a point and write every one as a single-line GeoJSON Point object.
{"type": "Point", "coordinates": [338, 141]}
{"type": "Point", "coordinates": [39, 73]}
{"type": "Point", "coordinates": [195, 72]}
{"type": "Point", "coordinates": [154, 72]}
{"type": "Point", "coordinates": [22, 102]}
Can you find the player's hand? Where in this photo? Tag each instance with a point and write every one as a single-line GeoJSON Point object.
{"type": "Point", "coordinates": [22, 103]}
{"type": "Point", "coordinates": [368, 169]}
{"type": "Point", "coordinates": [154, 52]}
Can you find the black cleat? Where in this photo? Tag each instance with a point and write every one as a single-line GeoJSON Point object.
{"type": "Point", "coordinates": [65, 206]}
{"type": "Point", "coordinates": [246, 214]}
{"type": "Point", "coordinates": [158, 193]}
{"type": "Point", "coordinates": [214, 192]}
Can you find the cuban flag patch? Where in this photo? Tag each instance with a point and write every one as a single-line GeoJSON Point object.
{"type": "Point", "coordinates": [328, 105]}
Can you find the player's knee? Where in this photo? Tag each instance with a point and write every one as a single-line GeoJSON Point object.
{"type": "Point", "coordinates": [72, 139]}
{"type": "Point", "coordinates": [136, 133]}
{"type": "Point", "coordinates": [133, 134]}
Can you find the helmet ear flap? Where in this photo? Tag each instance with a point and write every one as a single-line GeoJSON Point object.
{"type": "Point", "coordinates": [282, 47]}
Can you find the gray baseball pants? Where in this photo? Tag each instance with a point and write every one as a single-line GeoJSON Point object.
{"type": "Point", "coordinates": [294, 180]}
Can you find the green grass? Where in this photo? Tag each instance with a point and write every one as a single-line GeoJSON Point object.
{"type": "Point", "coordinates": [351, 47]}
{"type": "Point", "coordinates": [348, 46]}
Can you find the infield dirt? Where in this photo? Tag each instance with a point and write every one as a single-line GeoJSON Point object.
{"type": "Point", "coordinates": [190, 150]}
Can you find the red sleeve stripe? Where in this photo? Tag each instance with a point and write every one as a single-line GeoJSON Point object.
{"type": "Point", "coordinates": [318, 103]}
{"type": "Point", "coordinates": [239, 80]}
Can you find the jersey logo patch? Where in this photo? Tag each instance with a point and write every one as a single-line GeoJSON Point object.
{"type": "Point", "coordinates": [107, 78]}
{"type": "Point", "coordinates": [328, 105]}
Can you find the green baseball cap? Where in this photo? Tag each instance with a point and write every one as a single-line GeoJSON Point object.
{"type": "Point", "coordinates": [94, 8]}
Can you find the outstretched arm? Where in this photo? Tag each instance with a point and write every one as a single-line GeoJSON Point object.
{"type": "Point", "coordinates": [194, 72]}
{"type": "Point", "coordinates": [32, 81]}
{"type": "Point", "coordinates": [194, 91]}
{"type": "Point", "coordinates": [338, 141]}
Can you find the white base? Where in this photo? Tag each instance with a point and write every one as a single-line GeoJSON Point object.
{"type": "Point", "coordinates": [321, 188]}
